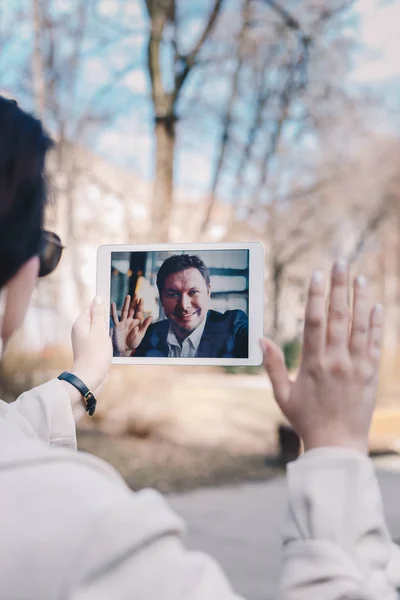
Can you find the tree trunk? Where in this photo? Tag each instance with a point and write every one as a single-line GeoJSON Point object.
{"type": "Point", "coordinates": [164, 178]}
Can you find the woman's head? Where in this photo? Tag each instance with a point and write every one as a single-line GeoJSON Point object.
{"type": "Point", "coordinates": [23, 148]}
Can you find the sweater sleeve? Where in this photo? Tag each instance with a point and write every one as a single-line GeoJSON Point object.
{"type": "Point", "coordinates": [45, 413]}
{"type": "Point", "coordinates": [136, 551]}
{"type": "Point", "coordinates": [336, 543]}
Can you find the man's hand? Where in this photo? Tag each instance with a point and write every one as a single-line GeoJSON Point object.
{"type": "Point", "coordinates": [333, 398]}
{"type": "Point", "coordinates": [130, 330]}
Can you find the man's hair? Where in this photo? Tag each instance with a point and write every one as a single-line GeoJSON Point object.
{"type": "Point", "coordinates": [23, 148]}
{"type": "Point", "coordinates": [178, 263]}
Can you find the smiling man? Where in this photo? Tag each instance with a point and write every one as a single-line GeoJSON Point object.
{"type": "Point", "coordinates": [191, 329]}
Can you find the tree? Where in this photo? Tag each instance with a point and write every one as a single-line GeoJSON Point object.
{"type": "Point", "coordinates": [62, 41]}
{"type": "Point", "coordinates": [165, 28]}
{"type": "Point", "coordinates": [280, 46]}
{"type": "Point", "coordinates": [54, 74]}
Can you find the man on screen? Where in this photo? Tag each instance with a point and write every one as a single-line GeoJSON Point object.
{"type": "Point", "coordinates": [190, 328]}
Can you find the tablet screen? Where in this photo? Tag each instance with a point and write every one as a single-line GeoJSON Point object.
{"type": "Point", "coordinates": [182, 304]}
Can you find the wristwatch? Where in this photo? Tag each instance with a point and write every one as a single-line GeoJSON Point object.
{"type": "Point", "coordinates": [88, 396]}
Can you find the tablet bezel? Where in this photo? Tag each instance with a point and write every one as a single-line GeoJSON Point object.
{"type": "Point", "coordinates": [256, 298]}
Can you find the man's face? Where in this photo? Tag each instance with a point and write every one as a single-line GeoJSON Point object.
{"type": "Point", "coordinates": [186, 299]}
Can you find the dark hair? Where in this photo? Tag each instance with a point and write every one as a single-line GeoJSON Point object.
{"type": "Point", "coordinates": [23, 148]}
{"type": "Point", "coordinates": [178, 263]}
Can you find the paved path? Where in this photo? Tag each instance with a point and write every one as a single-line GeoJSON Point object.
{"type": "Point", "coordinates": [240, 526]}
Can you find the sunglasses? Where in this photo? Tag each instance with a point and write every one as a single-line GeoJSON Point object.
{"type": "Point", "coordinates": [49, 253]}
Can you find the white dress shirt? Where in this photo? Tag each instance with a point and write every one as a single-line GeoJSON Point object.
{"type": "Point", "coordinates": [189, 346]}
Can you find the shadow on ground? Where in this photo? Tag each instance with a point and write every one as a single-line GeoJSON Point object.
{"type": "Point", "coordinates": [175, 468]}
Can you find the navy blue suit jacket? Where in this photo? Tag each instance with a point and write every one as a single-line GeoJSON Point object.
{"type": "Point", "coordinates": [226, 335]}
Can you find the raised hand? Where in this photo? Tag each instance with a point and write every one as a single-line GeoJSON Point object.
{"type": "Point", "coordinates": [332, 400]}
{"type": "Point", "coordinates": [92, 348]}
{"type": "Point", "coordinates": [131, 328]}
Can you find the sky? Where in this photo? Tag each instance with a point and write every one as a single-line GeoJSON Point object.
{"type": "Point", "coordinates": [379, 32]}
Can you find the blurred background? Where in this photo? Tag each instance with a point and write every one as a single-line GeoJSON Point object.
{"type": "Point", "coordinates": [209, 120]}
{"type": "Point", "coordinates": [136, 273]}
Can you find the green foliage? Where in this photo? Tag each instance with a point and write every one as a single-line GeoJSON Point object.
{"type": "Point", "coordinates": [292, 351]}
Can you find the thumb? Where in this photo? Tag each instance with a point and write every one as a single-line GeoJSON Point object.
{"type": "Point", "coordinates": [82, 323]}
{"type": "Point", "coordinates": [98, 312]}
{"type": "Point", "coordinates": [274, 364]}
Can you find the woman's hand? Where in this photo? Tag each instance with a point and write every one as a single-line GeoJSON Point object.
{"type": "Point", "coordinates": [333, 398]}
{"type": "Point", "coordinates": [91, 344]}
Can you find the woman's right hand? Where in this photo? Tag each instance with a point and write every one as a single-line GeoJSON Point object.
{"type": "Point", "coordinates": [333, 398]}
{"type": "Point", "coordinates": [131, 328]}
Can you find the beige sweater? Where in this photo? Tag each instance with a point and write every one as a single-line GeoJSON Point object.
{"type": "Point", "coordinates": [71, 529]}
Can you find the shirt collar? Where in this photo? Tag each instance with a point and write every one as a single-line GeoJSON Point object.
{"type": "Point", "coordinates": [194, 338]}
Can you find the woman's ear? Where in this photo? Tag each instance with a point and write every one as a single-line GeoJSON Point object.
{"type": "Point", "coordinates": [18, 294]}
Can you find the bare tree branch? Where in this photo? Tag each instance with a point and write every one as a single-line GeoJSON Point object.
{"type": "Point", "coordinates": [76, 55]}
{"type": "Point", "coordinates": [149, 5]}
{"type": "Point", "coordinates": [285, 101]}
{"type": "Point", "coordinates": [190, 60]}
{"type": "Point", "coordinates": [101, 93]}
{"type": "Point", "coordinates": [228, 118]}
{"type": "Point", "coordinates": [39, 83]}
{"type": "Point", "coordinates": [158, 22]}
{"type": "Point", "coordinates": [308, 213]}
{"type": "Point", "coordinates": [306, 245]}
{"type": "Point", "coordinates": [289, 20]}
{"type": "Point", "coordinates": [262, 99]}
{"type": "Point", "coordinates": [372, 224]}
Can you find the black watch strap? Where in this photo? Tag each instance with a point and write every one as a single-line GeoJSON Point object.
{"type": "Point", "coordinates": [88, 396]}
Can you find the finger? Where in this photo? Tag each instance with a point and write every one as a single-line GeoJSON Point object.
{"type": "Point", "coordinates": [114, 314]}
{"type": "Point", "coordinates": [145, 325]}
{"type": "Point", "coordinates": [98, 313]}
{"type": "Point", "coordinates": [132, 307]}
{"type": "Point", "coordinates": [315, 318]}
{"type": "Point", "coordinates": [339, 312]}
{"type": "Point", "coordinates": [124, 312]}
{"type": "Point", "coordinates": [139, 309]}
{"type": "Point", "coordinates": [274, 364]}
{"type": "Point", "coordinates": [361, 316]}
{"type": "Point", "coordinates": [375, 332]}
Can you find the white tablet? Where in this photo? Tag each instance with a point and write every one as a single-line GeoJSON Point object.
{"type": "Point", "coordinates": [187, 304]}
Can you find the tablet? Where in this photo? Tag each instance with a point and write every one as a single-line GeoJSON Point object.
{"type": "Point", "coordinates": [186, 304]}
